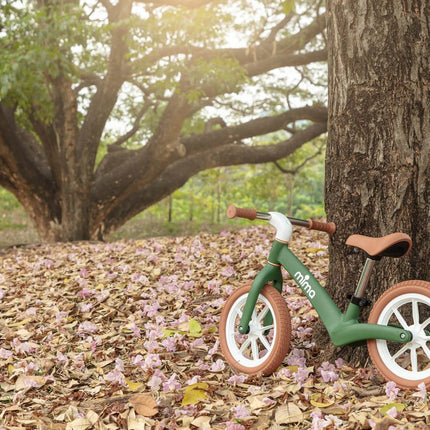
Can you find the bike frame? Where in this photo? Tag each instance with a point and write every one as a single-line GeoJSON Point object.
{"type": "Point", "coordinates": [343, 328]}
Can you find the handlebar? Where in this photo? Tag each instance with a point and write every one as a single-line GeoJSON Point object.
{"type": "Point", "coordinates": [252, 214]}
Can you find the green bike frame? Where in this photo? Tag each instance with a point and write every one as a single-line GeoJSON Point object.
{"type": "Point", "coordinates": [343, 328]}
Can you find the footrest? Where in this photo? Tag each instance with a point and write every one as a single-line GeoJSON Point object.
{"type": "Point", "coordinates": [359, 301]}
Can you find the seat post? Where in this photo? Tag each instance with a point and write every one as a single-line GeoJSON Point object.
{"type": "Point", "coordinates": [364, 278]}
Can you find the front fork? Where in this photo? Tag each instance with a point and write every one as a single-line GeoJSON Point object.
{"type": "Point", "coordinates": [269, 273]}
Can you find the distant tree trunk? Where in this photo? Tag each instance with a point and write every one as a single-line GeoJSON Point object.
{"type": "Point", "coordinates": [191, 207]}
{"type": "Point", "coordinates": [290, 181]}
{"type": "Point", "coordinates": [170, 217]}
{"type": "Point", "coordinates": [378, 151]}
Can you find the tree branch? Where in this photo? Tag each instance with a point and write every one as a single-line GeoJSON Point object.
{"type": "Point", "coordinates": [256, 127]}
{"type": "Point", "coordinates": [177, 174]}
{"type": "Point", "coordinates": [301, 165]}
{"type": "Point", "coordinates": [246, 56]}
{"type": "Point", "coordinates": [189, 4]}
{"type": "Point", "coordinates": [106, 95]}
{"type": "Point", "coordinates": [282, 60]}
{"type": "Point", "coordinates": [136, 126]}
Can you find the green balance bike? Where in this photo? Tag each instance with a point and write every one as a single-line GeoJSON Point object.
{"type": "Point", "coordinates": [255, 324]}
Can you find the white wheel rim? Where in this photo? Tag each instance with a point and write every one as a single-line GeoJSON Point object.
{"type": "Point", "coordinates": [417, 352]}
{"type": "Point", "coordinates": [253, 349]}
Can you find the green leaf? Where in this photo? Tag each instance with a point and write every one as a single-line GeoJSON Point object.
{"type": "Point", "coordinates": [288, 6]}
{"type": "Point", "coordinates": [195, 328]}
{"type": "Point", "coordinates": [399, 407]}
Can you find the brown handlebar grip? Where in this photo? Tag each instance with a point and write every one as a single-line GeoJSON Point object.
{"type": "Point", "coordinates": [233, 212]}
{"type": "Point", "coordinates": [328, 227]}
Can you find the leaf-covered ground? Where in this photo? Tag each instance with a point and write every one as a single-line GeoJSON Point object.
{"type": "Point", "coordinates": [124, 335]}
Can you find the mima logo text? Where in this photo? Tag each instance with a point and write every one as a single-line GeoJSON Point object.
{"type": "Point", "coordinates": [303, 282]}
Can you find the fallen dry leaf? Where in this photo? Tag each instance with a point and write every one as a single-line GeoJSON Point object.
{"type": "Point", "coordinates": [195, 393]}
{"type": "Point", "coordinates": [288, 413]}
{"type": "Point", "coordinates": [79, 424]}
{"type": "Point", "coordinates": [144, 405]}
{"type": "Point", "coordinates": [25, 382]}
{"type": "Point", "coordinates": [202, 422]}
{"type": "Point", "coordinates": [85, 326]}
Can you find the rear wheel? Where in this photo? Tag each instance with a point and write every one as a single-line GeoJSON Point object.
{"type": "Point", "coordinates": [405, 305]}
{"type": "Point", "coordinates": [264, 348]}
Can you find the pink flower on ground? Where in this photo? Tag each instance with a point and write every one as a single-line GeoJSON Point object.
{"type": "Point", "coordinates": [214, 349]}
{"type": "Point", "coordinates": [152, 361]}
{"type": "Point", "coordinates": [422, 392]}
{"type": "Point", "coordinates": [137, 360]}
{"type": "Point", "coordinates": [172, 384]}
{"type": "Point", "coordinates": [268, 401]}
{"type": "Point", "coordinates": [339, 363]}
{"type": "Point", "coordinates": [328, 372]}
{"type": "Point", "coordinates": [301, 375]}
{"type": "Point", "coordinates": [116, 377]}
{"type": "Point", "coordinates": [218, 366]}
{"type": "Point", "coordinates": [135, 329]}
{"type": "Point", "coordinates": [119, 365]}
{"type": "Point", "coordinates": [23, 347]}
{"type": "Point", "coordinates": [237, 379]}
{"type": "Point", "coordinates": [62, 358]}
{"type": "Point", "coordinates": [156, 380]}
{"type": "Point", "coordinates": [5, 353]}
{"type": "Point", "coordinates": [194, 380]}
{"type": "Point", "coordinates": [169, 344]}
{"type": "Point", "coordinates": [86, 307]}
{"type": "Point", "coordinates": [240, 412]}
{"type": "Point", "coordinates": [234, 426]}
{"type": "Point", "coordinates": [391, 390]}
{"type": "Point", "coordinates": [151, 345]}
{"type": "Point", "coordinates": [228, 272]}
{"type": "Point", "coordinates": [87, 327]}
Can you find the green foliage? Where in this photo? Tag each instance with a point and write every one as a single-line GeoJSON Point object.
{"type": "Point", "coordinates": [8, 201]}
{"type": "Point", "coordinates": [37, 44]}
{"type": "Point", "coordinates": [205, 197]}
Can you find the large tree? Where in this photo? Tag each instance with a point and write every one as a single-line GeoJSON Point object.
{"type": "Point", "coordinates": [378, 150]}
{"type": "Point", "coordinates": [108, 107]}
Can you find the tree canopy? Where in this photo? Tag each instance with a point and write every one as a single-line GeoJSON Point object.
{"type": "Point", "coordinates": [106, 108]}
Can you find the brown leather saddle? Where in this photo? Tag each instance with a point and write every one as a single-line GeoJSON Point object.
{"type": "Point", "coordinates": [393, 245]}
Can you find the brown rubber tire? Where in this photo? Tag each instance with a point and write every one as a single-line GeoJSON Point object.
{"type": "Point", "coordinates": [401, 289]}
{"type": "Point", "coordinates": [281, 339]}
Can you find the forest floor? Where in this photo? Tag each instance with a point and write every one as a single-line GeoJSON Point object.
{"type": "Point", "coordinates": [124, 335]}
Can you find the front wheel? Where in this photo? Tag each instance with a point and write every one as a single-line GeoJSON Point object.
{"type": "Point", "coordinates": [265, 346]}
{"type": "Point", "coordinates": [405, 305]}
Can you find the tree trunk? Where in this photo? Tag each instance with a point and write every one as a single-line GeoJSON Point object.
{"type": "Point", "coordinates": [378, 151]}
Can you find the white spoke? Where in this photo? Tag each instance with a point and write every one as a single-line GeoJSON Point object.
{"type": "Point", "coordinates": [263, 313]}
{"type": "Point", "coordinates": [425, 323]}
{"type": "Point", "coordinates": [400, 352]}
{"type": "Point", "coordinates": [414, 360]}
{"type": "Point", "coordinates": [254, 347]}
{"type": "Point", "coordinates": [426, 350]}
{"type": "Point", "coordinates": [267, 327]}
{"type": "Point", "coordinates": [245, 345]}
{"type": "Point", "coordinates": [401, 320]}
{"type": "Point", "coordinates": [265, 342]}
{"type": "Point", "coordinates": [415, 312]}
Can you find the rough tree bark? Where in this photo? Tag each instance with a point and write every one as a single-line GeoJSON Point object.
{"type": "Point", "coordinates": [378, 153]}
{"type": "Point", "coordinates": [50, 164]}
